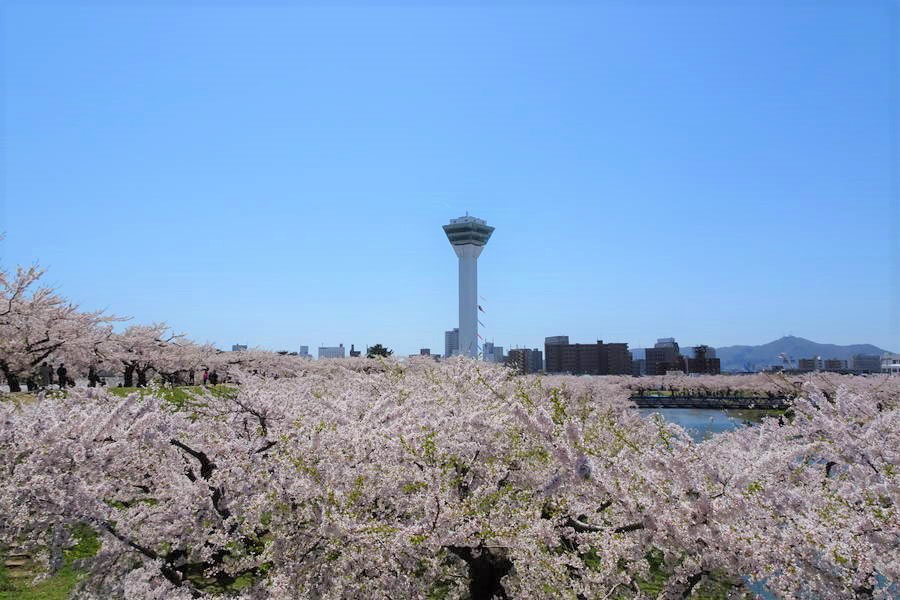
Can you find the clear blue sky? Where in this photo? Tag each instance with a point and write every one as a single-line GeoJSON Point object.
{"type": "Point", "coordinates": [278, 175]}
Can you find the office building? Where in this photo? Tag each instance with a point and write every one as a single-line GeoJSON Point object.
{"type": "Point", "coordinates": [468, 237]}
{"type": "Point", "coordinates": [811, 364]}
{"type": "Point", "coordinates": [586, 359]}
{"type": "Point", "coordinates": [638, 367]}
{"type": "Point", "coordinates": [553, 359]}
{"type": "Point", "coordinates": [835, 364]}
{"type": "Point", "coordinates": [618, 359]}
{"type": "Point", "coordinates": [331, 351]}
{"type": "Point", "coordinates": [451, 342]}
{"type": "Point", "coordinates": [704, 361]}
{"type": "Point", "coordinates": [304, 351]}
{"type": "Point", "coordinates": [865, 363]}
{"type": "Point", "coordinates": [498, 356]}
{"type": "Point", "coordinates": [492, 353]}
{"type": "Point", "coordinates": [525, 360]}
{"type": "Point", "coordinates": [663, 357]}
{"type": "Point", "coordinates": [238, 347]}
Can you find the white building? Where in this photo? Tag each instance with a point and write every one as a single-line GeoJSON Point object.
{"type": "Point", "coordinates": [331, 351]}
{"type": "Point", "coordinates": [890, 363]}
{"type": "Point", "coordinates": [468, 237]}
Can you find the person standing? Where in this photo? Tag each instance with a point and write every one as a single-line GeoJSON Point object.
{"type": "Point", "coordinates": [52, 371]}
{"type": "Point", "coordinates": [62, 375]}
{"type": "Point", "coordinates": [46, 373]}
{"type": "Point", "coordinates": [205, 376]}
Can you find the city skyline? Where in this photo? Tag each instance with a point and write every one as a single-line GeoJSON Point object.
{"type": "Point", "coordinates": [279, 176]}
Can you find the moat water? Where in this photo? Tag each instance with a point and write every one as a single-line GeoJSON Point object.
{"type": "Point", "coordinates": [702, 423]}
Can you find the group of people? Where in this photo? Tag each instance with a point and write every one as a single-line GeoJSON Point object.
{"type": "Point", "coordinates": [46, 373]}
{"type": "Point", "coordinates": [208, 378]}
{"type": "Point", "coordinates": [47, 377]}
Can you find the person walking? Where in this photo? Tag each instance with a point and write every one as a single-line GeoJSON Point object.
{"type": "Point", "coordinates": [62, 374]}
{"type": "Point", "coordinates": [92, 376]}
{"type": "Point", "coordinates": [46, 375]}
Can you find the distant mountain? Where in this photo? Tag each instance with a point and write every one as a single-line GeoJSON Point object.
{"type": "Point", "coordinates": [743, 358]}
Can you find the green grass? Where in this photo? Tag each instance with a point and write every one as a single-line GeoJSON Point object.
{"type": "Point", "coordinates": [716, 586]}
{"type": "Point", "coordinates": [59, 585]}
{"type": "Point", "coordinates": [179, 396]}
{"type": "Point", "coordinates": [18, 398]}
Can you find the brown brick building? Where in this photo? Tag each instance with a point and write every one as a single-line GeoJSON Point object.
{"type": "Point", "coordinates": [586, 359]}
{"type": "Point", "coordinates": [663, 357]}
{"type": "Point", "coordinates": [704, 361]}
{"type": "Point", "coordinates": [525, 360]}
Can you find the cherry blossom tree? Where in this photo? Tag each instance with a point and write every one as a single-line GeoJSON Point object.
{"type": "Point", "coordinates": [36, 324]}
{"type": "Point", "coordinates": [142, 349]}
{"type": "Point", "coordinates": [371, 479]}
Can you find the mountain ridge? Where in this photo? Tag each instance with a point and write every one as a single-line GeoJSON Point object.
{"type": "Point", "coordinates": [754, 358]}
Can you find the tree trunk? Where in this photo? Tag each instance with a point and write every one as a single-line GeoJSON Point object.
{"type": "Point", "coordinates": [11, 378]}
{"type": "Point", "coordinates": [129, 376]}
{"type": "Point", "coordinates": [485, 572]}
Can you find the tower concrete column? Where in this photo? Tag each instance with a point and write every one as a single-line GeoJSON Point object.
{"type": "Point", "coordinates": [468, 298]}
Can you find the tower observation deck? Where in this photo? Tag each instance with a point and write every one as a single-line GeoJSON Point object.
{"type": "Point", "coordinates": [468, 236]}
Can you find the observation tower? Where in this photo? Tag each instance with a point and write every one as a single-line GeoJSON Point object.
{"type": "Point", "coordinates": [468, 237]}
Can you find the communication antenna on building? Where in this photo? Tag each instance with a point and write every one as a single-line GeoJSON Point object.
{"type": "Point", "coordinates": [481, 348]}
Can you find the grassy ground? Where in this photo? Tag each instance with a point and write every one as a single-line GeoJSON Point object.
{"type": "Point", "coordinates": [58, 586]}
{"type": "Point", "coordinates": [61, 585]}
{"type": "Point", "coordinates": [179, 396]}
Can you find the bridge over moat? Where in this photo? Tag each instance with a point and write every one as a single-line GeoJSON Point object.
{"type": "Point", "coordinates": [713, 402]}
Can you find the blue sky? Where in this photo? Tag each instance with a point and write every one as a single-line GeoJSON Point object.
{"type": "Point", "coordinates": [278, 174]}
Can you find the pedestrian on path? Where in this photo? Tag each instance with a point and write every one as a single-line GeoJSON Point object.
{"type": "Point", "coordinates": [46, 375]}
{"type": "Point", "coordinates": [62, 374]}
